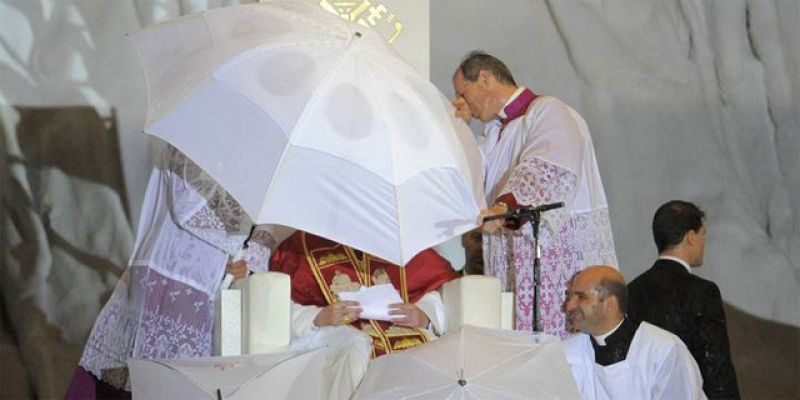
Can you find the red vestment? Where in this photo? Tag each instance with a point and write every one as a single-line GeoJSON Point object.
{"type": "Point", "coordinates": [321, 268]}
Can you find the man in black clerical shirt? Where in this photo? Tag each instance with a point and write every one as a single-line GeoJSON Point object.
{"type": "Point", "coordinates": [617, 358]}
{"type": "Point", "coordinates": [590, 308]}
{"type": "Point", "coordinates": [668, 295]}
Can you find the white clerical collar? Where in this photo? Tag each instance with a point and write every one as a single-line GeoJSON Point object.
{"type": "Point", "coordinates": [502, 113]}
{"type": "Point", "coordinates": [677, 260]}
{"type": "Point", "coordinates": [601, 339]}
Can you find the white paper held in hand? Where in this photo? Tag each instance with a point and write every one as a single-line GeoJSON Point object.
{"type": "Point", "coordinates": [375, 300]}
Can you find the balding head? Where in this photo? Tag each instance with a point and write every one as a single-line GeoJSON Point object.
{"type": "Point", "coordinates": [607, 281]}
{"type": "Point", "coordinates": [597, 300]}
{"type": "Point", "coordinates": [598, 272]}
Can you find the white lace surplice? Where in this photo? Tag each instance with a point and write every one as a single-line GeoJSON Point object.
{"type": "Point", "coordinates": [163, 305]}
{"type": "Point", "coordinates": [546, 156]}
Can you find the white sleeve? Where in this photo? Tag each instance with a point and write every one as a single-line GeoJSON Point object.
{"type": "Point", "coordinates": [258, 250]}
{"type": "Point", "coordinates": [678, 377]}
{"type": "Point", "coordinates": [549, 168]}
{"type": "Point", "coordinates": [433, 306]}
{"type": "Point", "coordinates": [303, 319]}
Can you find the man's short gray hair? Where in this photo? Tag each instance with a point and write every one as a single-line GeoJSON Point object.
{"type": "Point", "coordinates": [477, 60]}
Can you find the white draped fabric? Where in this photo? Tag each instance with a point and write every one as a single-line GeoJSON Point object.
{"type": "Point", "coordinates": [349, 363]}
{"type": "Point", "coordinates": [348, 355]}
{"type": "Point", "coordinates": [162, 306]}
{"type": "Point", "coordinates": [546, 156]}
{"type": "Point", "coordinates": [658, 366]}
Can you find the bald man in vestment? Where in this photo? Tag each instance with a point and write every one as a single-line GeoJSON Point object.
{"type": "Point", "coordinates": [615, 357]}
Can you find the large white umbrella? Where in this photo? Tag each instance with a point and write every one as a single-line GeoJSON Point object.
{"type": "Point", "coordinates": [315, 123]}
{"type": "Point", "coordinates": [474, 363]}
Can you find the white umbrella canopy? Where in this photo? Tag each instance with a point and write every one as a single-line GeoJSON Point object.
{"type": "Point", "coordinates": [299, 374]}
{"type": "Point", "coordinates": [314, 123]}
{"type": "Point", "coordinates": [474, 363]}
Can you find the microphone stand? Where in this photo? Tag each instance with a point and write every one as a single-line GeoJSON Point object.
{"type": "Point", "coordinates": [534, 216]}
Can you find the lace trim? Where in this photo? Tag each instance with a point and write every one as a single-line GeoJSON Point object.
{"type": "Point", "coordinates": [584, 239]}
{"type": "Point", "coordinates": [258, 251]}
{"type": "Point", "coordinates": [535, 181]}
{"type": "Point", "coordinates": [174, 320]}
{"type": "Point", "coordinates": [204, 208]}
{"type": "Point", "coordinates": [162, 306]}
{"type": "Point", "coordinates": [110, 342]}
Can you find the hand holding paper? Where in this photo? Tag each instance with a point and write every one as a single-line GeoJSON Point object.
{"type": "Point", "coordinates": [374, 301]}
{"type": "Point", "coordinates": [342, 312]}
{"type": "Point", "coordinates": [406, 314]}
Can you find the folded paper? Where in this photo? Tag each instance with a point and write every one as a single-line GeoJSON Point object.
{"type": "Point", "coordinates": [375, 300]}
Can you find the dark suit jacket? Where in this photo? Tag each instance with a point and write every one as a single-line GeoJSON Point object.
{"type": "Point", "coordinates": [668, 296]}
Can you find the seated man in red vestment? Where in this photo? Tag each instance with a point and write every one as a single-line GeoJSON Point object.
{"type": "Point", "coordinates": [320, 269]}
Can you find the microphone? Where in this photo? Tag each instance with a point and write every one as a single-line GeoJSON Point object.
{"type": "Point", "coordinates": [525, 212]}
{"type": "Point", "coordinates": [544, 207]}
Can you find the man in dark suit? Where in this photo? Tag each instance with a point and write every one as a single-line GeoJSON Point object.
{"type": "Point", "coordinates": [669, 296]}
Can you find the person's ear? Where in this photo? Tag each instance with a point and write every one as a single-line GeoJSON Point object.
{"type": "Point", "coordinates": [690, 237]}
{"type": "Point", "coordinates": [483, 77]}
{"type": "Point", "coordinates": [611, 304]}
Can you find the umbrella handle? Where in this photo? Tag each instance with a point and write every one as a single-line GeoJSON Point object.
{"type": "Point", "coordinates": [228, 279]}
{"type": "Point", "coordinates": [226, 282]}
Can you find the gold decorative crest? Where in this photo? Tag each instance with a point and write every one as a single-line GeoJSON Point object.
{"type": "Point", "coordinates": [376, 16]}
{"type": "Point", "coordinates": [342, 283]}
{"type": "Point", "coordinates": [397, 330]}
{"type": "Point", "coordinates": [406, 343]}
{"type": "Point", "coordinates": [332, 258]}
{"type": "Point", "coordinates": [380, 277]}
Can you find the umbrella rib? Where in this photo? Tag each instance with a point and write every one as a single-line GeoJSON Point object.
{"type": "Point", "coordinates": [432, 366]}
{"type": "Point", "coordinates": [501, 363]}
{"type": "Point", "coordinates": [178, 370]}
{"type": "Point", "coordinates": [258, 375]}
